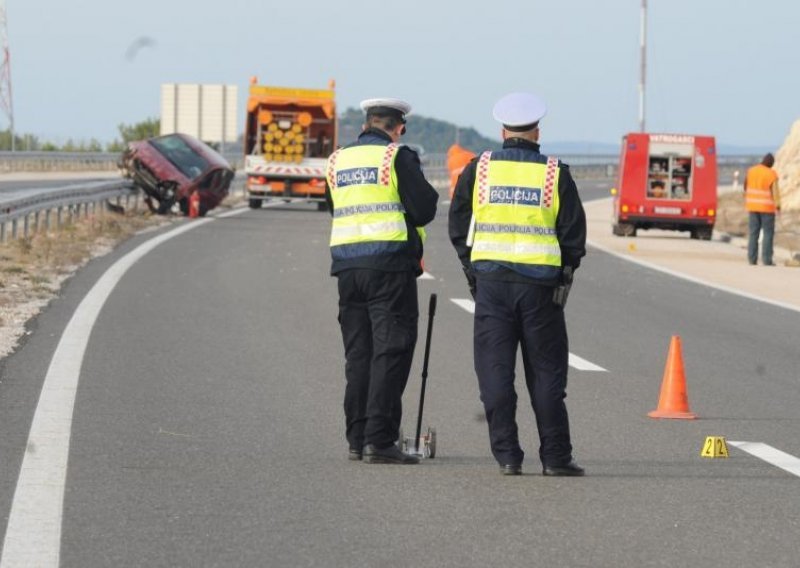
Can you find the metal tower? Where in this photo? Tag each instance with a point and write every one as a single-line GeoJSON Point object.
{"type": "Point", "coordinates": [6, 101]}
{"type": "Point", "coordinates": [642, 62]}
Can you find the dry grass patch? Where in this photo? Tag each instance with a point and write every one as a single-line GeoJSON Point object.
{"type": "Point", "coordinates": [32, 269]}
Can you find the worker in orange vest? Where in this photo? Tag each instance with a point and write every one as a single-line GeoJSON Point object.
{"type": "Point", "coordinates": [762, 200]}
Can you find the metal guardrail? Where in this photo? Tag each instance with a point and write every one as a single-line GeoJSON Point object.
{"type": "Point", "coordinates": [36, 207]}
{"type": "Point", "coordinates": [72, 161]}
{"type": "Point", "coordinates": [57, 161]}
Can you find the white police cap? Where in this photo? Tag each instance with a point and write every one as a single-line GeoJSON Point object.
{"type": "Point", "coordinates": [516, 111]}
{"type": "Point", "coordinates": [386, 105]}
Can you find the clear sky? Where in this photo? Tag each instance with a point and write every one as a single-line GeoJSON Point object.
{"type": "Point", "coordinates": [729, 68]}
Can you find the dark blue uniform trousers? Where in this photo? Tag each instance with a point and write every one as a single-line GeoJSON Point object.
{"type": "Point", "coordinates": [378, 315]}
{"type": "Point", "coordinates": [508, 314]}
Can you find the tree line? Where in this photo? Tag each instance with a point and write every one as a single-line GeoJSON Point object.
{"type": "Point", "coordinates": [432, 135]}
{"type": "Point", "coordinates": [127, 133]}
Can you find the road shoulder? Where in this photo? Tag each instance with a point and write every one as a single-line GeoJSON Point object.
{"type": "Point", "coordinates": [721, 262]}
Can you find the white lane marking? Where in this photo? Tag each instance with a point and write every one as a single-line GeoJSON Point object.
{"type": "Point", "coordinates": [693, 279]}
{"type": "Point", "coordinates": [239, 209]}
{"type": "Point", "coordinates": [446, 202]}
{"type": "Point", "coordinates": [583, 365]}
{"type": "Point", "coordinates": [426, 276]}
{"type": "Point", "coordinates": [467, 305]}
{"type": "Point", "coordinates": [33, 534]}
{"type": "Point", "coordinates": [576, 362]}
{"type": "Point", "coordinates": [773, 456]}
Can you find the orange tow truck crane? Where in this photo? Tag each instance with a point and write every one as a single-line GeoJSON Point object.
{"type": "Point", "coordinates": [289, 134]}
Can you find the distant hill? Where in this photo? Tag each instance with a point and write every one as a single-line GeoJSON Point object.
{"type": "Point", "coordinates": [435, 136]}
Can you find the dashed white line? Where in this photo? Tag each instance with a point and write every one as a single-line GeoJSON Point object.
{"type": "Point", "coordinates": [584, 365]}
{"type": "Point", "coordinates": [467, 305]}
{"type": "Point", "coordinates": [773, 456]}
{"type": "Point", "coordinates": [576, 362]}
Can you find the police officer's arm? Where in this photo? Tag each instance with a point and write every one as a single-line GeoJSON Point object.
{"type": "Point", "coordinates": [419, 198]}
{"type": "Point", "coordinates": [328, 198]}
{"type": "Point", "coordinates": [460, 215]}
{"type": "Point", "coordinates": [460, 219]}
{"type": "Point", "coordinates": [571, 221]}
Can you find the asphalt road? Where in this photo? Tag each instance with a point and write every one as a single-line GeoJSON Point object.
{"type": "Point", "coordinates": [207, 427]}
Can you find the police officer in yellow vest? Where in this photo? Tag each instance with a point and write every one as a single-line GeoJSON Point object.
{"type": "Point", "coordinates": [380, 200]}
{"type": "Point", "coordinates": [518, 226]}
{"type": "Point", "coordinates": [762, 201]}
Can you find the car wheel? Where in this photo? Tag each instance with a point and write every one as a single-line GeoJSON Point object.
{"type": "Point", "coordinates": [704, 233]}
{"type": "Point", "coordinates": [255, 203]}
{"type": "Point", "coordinates": [165, 206]}
{"type": "Point", "coordinates": [625, 230]}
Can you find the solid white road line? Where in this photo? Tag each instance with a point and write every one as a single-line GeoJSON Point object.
{"type": "Point", "coordinates": [241, 208]}
{"type": "Point", "coordinates": [786, 462]}
{"type": "Point", "coordinates": [576, 362]}
{"type": "Point", "coordinates": [33, 534]}
{"type": "Point", "coordinates": [426, 276]}
{"type": "Point", "coordinates": [692, 279]}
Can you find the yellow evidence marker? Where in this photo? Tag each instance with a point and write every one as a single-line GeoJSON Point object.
{"type": "Point", "coordinates": [714, 447]}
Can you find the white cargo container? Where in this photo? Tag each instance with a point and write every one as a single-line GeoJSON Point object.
{"type": "Point", "coordinates": [207, 112]}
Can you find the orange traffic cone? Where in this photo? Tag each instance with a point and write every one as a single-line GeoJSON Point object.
{"type": "Point", "coordinates": [194, 205]}
{"type": "Point", "coordinates": [673, 402]}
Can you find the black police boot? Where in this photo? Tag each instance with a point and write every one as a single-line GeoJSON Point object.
{"type": "Point", "coordinates": [508, 469]}
{"type": "Point", "coordinates": [354, 454]}
{"type": "Point", "coordinates": [392, 455]}
{"type": "Point", "coordinates": [571, 469]}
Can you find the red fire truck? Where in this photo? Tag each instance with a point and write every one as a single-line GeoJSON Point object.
{"type": "Point", "coordinates": [666, 181]}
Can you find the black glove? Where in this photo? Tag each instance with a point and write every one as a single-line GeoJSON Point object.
{"type": "Point", "coordinates": [561, 293]}
{"type": "Point", "coordinates": [471, 281]}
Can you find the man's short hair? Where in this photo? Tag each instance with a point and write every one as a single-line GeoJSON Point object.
{"type": "Point", "coordinates": [384, 121]}
{"type": "Point", "coordinates": [769, 160]}
{"type": "Point", "coordinates": [524, 128]}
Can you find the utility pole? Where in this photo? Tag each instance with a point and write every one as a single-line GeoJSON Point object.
{"type": "Point", "coordinates": [6, 102]}
{"type": "Point", "coordinates": [643, 67]}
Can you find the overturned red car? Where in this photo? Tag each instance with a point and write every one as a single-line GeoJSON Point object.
{"type": "Point", "coordinates": [170, 169]}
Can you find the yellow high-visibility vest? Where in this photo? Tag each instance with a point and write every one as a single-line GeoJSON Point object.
{"type": "Point", "coordinates": [368, 216]}
{"type": "Point", "coordinates": [515, 204]}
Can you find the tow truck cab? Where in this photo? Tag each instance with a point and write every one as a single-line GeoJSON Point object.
{"type": "Point", "coordinates": [666, 181]}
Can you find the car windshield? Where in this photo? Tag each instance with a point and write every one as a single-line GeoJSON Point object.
{"type": "Point", "coordinates": [182, 156]}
